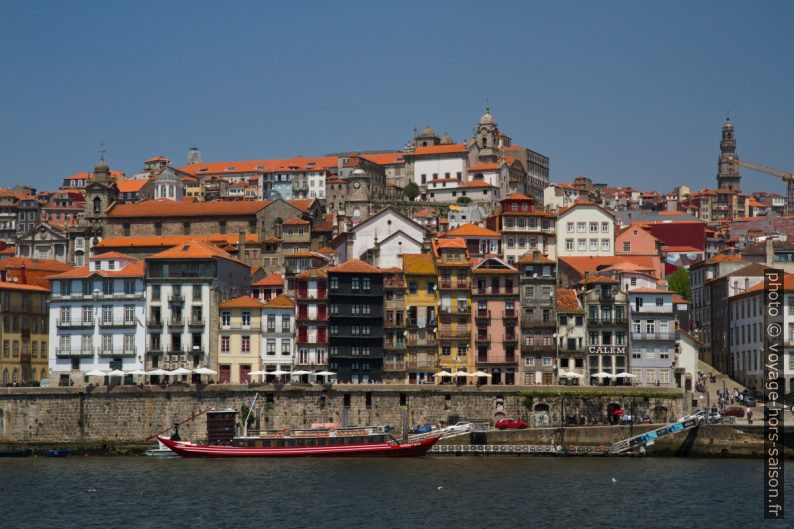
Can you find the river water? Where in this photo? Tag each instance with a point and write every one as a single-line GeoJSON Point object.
{"type": "Point", "coordinates": [431, 492]}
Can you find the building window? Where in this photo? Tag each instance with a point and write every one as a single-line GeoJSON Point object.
{"type": "Point", "coordinates": [626, 246]}
{"type": "Point", "coordinates": [604, 227]}
{"type": "Point", "coordinates": [569, 244]}
{"type": "Point", "coordinates": [605, 245]}
{"type": "Point", "coordinates": [226, 318]}
{"type": "Point", "coordinates": [593, 227]}
{"type": "Point", "coordinates": [245, 344]}
{"type": "Point", "coordinates": [225, 344]}
{"type": "Point", "coordinates": [286, 347]}
{"type": "Point", "coordinates": [593, 245]}
{"type": "Point", "coordinates": [271, 346]}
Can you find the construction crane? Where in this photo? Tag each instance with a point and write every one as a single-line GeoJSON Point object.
{"type": "Point", "coordinates": [786, 177]}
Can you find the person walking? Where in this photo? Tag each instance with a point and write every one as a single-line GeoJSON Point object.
{"type": "Point", "coordinates": [749, 416]}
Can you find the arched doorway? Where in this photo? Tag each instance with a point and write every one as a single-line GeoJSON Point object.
{"type": "Point", "coordinates": [541, 416]}
{"type": "Point", "coordinates": [659, 414]}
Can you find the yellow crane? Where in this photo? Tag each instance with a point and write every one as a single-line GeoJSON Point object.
{"type": "Point", "coordinates": [783, 175]}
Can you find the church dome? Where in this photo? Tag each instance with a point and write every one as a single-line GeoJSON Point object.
{"type": "Point", "coordinates": [446, 140]}
{"type": "Point", "coordinates": [101, 167]}
{"type": "Point", "coordinates": [428, 132]}
{"type": "Point", "coordinates": [487, 118]}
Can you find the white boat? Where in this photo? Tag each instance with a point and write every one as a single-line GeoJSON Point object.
{"type": "Point", "coordinates": [161, 451]}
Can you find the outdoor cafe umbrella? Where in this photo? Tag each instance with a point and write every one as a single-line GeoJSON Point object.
{"type": "Point", "coordinates": [205, 371]}
{"type": "Point", "coordinates": [136, 372]}
{"type": "Point", "coordinates": [157, 372]}
{"type": "Point", "coordinates": [443, 374]}
{"type": "Point", "coordinates": [601, 374]}
{"type": "Point", "coordinates": [480, 374]}
{"type": "Point", "coordinates": [179, 371]}
{"type": "Point", "coordinates": [571, 374]}
{"type": "Point", "coordinates": [117, 373]}
{"type": "Point", "coordinates": [277, 372]}
{"type": "Point", "coordinates": [625, 375]}
{"type": "Point", "coordinates": [325, 374]}
{"type": "Point", "coordinates": [95, 373]}
{"type": "Point", "coordinates": [301, 372]}
{"type": "Point", "coordinates": [460, 374]}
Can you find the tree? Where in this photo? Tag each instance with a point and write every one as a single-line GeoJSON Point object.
{"type": "Point", "coordinates": [679, 282]}
{"type": "Point", "coordinates": [463, 200]}
{"type": "Point", "coordinates": [411, 191]}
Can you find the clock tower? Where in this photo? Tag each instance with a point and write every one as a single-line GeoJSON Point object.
{"type": "Point", "coordinates": [728, 164]}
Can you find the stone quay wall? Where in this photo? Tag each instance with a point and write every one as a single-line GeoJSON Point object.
{"type": "Point", "coordinates": [124, 416]}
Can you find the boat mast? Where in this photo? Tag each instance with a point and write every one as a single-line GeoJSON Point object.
{"type": "Point", "coordinates": [250, 409]}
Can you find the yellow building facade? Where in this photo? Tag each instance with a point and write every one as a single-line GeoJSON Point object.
{"type": "Point", "coordinates": [24, 331]}
{"type": "Point", "coordinates": [454, 304]}
{"type": "Point", "coordinates": [421, 309]}
{"type": "Point", "coordinates": [239, 347]}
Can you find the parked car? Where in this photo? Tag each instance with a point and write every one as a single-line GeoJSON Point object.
{"type": "Point", "coordinates": [457, 428]}
{"type": "Point", "coordinates": [734, 411]}
{"type": "Point", "coordinates": [749, 400]}
{"type": "Point", "coordinates": [510, 424]}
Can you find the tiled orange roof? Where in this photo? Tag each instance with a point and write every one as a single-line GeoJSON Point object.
{"type": "Point", "coordinates": [242, 302]}
{"type": "Point", "coordinates": [583, 264]}
{"type": "Point", "coordinates": [296, 164]}
{"type": "Point", "coordinates": [678, 299]}
{"type": "Point", "coordinates": [517, 196]}
{"type": "Point", "coordinates": [6, 285]}
{"type": "Point", "coordinates": [535, 258]}
{"type": "Point", "coordinates": [423, 213]}
{"type": "Point", "coordinates": [471, 230]}
{"type": "Point", "coordinates": [302, 204]}
{"type": "Point", "coordinates": [280, 302]}
{"type": "Point", "coordinates": [385, 158]}
{"type": "Point", "coordinates": [567, 300]}
{"type": "Point", "coordinates": [193, 250]}
{"type": "Point", "coordinates": [312, 273]}
{"type": "Point", "coordinates": [272, 280]}
{"type": "Point", "coordinates": [419, 264]}
{"type": "Point", "coordinates": [170, 208]}
{"type": "Point", "coordinates": [87, 176]}
{"type": "Point", "coordinates": [47, 265]}
{"type": "Point", "coordinates": [447, 243]}
{"type": "Point", "coordinates": [157, 159]}
{"type": "Point", "coordinates": [484, 166]}
{"type": "Point", "coordinates": [133, 269]}
{"type": "Point", "coordinates": [454, 148]}
{"type": "Point", "coordinates": [355, 266]}
{"type": "Point", "coordinates": [295, 221]}
{"type": "Point", "coordinates": [131, 185]}
{"type": "Point", "coordinates": [475, 184]}
{"type": "Point", "coordinates": [326, 250]}
{"type": "Point", "coordinates": [170, 241]}
{"type": "Point", "coordinates": [646, 290]}
{"type": "Point", "coordinates": [112, 255]}
{"type": "Point", "coordinates": [272, 240]}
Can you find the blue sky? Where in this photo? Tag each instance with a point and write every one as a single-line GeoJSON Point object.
{"type": "Point", "coordinates": [625, 93]}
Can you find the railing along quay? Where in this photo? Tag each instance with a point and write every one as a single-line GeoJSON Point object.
{"type": "Point", "coordinates": [518, 450]}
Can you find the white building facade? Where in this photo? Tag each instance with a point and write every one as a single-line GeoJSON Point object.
{"type": "Point", "coordinates": [97, 318]}
{"type": "Point", "coordinates": [653, 336]}
{"type": "Point", "coordinates": [585, 229]}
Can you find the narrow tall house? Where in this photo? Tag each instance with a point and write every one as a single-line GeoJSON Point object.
{"type": "Point", "coordinates": [538, 319]}
{"type": "Point", "coordinates": [355, 300]}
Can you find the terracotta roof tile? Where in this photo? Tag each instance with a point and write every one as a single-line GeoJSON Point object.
{"type": "Point", "coordinates": [242, 302]}
{"type": "Point", "coordinates": [589, 280]}
{"type": "Point", "coordinates": [454, 148]}
{"type": "Point", "coordinates": [47, 265]}
{"type": "Point", "coordinates": [272, 280]}
{"type": "Point", "coordinates": [171, 241]}
{"type": "Point", "coordinates": [419, 264]}
{"type": "Point", "coordinates": [133, 269]}
{"type": "Point", "coordinates": [484, 167]}
{"type": "Point", "coordinates": [170, 208]}
{"type": "Point", "coordinates": [355, 266]}
{"type": "Point", "coordinates": [295, 221]}
{"type": "Point", "coordinates": [131, 185]}
{"type": "Point", "coordinates": [535, 258]}
{"type": "Point", "coordinates": [193, 250]}
{"type": "Point", "coordinates": [471, 230]}
{"type": "Point", "coordinates": [112, 255]}
{"type": "Point", "coordinates": [567, 300]}
{"type": "Point", "coordinates": [385, 158]}
{"type": "Point", "coordinates": [6, 285]}
{"type": "Point", "coordinates": [646, 290]}
{"type": "Point", "coordinates": [280, 302]}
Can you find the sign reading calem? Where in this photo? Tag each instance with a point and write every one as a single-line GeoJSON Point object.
{"type": "Point", "coordinates": [606, 350]}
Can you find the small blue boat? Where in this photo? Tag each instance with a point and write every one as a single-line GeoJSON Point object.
{"type": "Point", "coordinates": [57, 452]}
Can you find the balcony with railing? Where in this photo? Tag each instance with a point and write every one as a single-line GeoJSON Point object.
{"type": "Point", "coordinates": [117, 351]}
{"type": "Point", "coordinates": [72, 352]}
{"type": "Point", "coordinates": [116, 322]}
{"type": "Point", "coordinates": [176, 321]}
{"type": "Point", "coordinates": [510, 315]}
{"type": "Point", "coordinates": [176, 298]}
{"type": "Point", "coordinates": [459, 310]}
{"type": "Point", "coordinates": [393, 283]}
{"type": "Point", "coordinates": [482, 337]}
{"type": "Point", "coordinates": [429, 340]}
{"type": "Point", "coordinates": [394, 345]}
{"type": "Point", "coordinates": [605, 322]}
{"type": "Point", "coordinates": [74, 324]}
{"type": "Point", "coordinates": [154, 323]}
{"type": "Point", "coordinates": [482, 314]}
{"type": "Point", "coordinates": [659, 335]}
{"type": "Point", "coordinates": [535, 323]}
{"type": "Point", "coordinates": [394, 365]}
{"type": "Point", "coordinates": [421, 362]}
{"type": "Point", "coordinates": [537, 344]}
{"type": "Point", "coordinates": [510, 337]}
{"type": "Point", "coordinates": [196, 322]}
{"type": "Point", "coordinates": [455, 333]}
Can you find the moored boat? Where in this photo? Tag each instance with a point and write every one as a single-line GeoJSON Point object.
{"type": "Point", "coordinates": [222, 441]}
{"type": "Point", "coordinates": [21, 452]}
{"type": "Point", "coordinates": [161, 451]}
{"type": "Point", "coordinates": [57, 452]}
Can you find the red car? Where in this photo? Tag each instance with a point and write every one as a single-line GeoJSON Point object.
{"type": "Point", "coordinates": [735, 411]}
{"type": "Point", "coordinates": [510, 424]}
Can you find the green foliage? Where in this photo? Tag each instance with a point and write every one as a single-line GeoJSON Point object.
{"type": "Point", "coordinates": [679, 283]}
{"type": "Point", "coordinates": [463, 200]}
{"type": "Point", "coordinates": [528, 401]}
{"type": "Point", "coordinates": [591, 393]}
{"type": "Point", "coordinates": [244, 413]}
{"type": "Point", "coordinates": [411, 191]}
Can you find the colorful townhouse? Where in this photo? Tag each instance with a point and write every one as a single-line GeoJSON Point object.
{"type": "Point", "coordinates": [454, 303]}
{"type": "Point", "coordinates": [421, 280]}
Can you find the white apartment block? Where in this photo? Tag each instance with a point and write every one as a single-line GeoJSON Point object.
{"type": "Point", "coordinates": [585, 229]}
{"type": "Point", "coordinates": [97, 318]}
{"type": "Point", "coordinates": [653, 336]}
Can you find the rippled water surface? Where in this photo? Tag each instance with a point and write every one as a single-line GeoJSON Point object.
{"type": "Point", "coordinates": [432, 492]}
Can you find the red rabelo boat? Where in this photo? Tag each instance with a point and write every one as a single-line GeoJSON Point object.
{"type": "Point", "coordinates": [372, 441]}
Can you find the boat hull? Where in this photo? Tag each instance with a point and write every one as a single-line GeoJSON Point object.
{"type": "Point", "coordinates": [409, 449]}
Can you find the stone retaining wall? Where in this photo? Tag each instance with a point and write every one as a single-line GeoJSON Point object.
{"type": "Point", "coordinates": [126, 415]}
